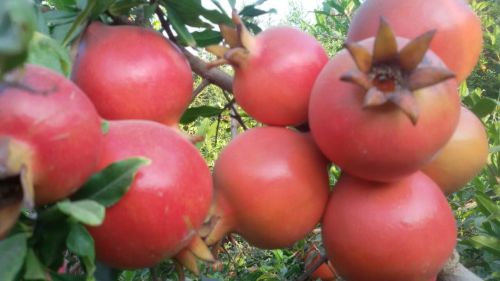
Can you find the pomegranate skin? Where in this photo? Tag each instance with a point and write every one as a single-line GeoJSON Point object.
{"type": "Point", "coordinates": [465, 154]}
{"type": "Point", "coordinates": [131, 72]}
{"type": "Point", "coordinates": [166, 203]}
{"type": "Point", "coordinates": [56, 122]}
{"type": "Point", "coordinates": [400, 231]}
{"type": "Point", "coordinates": [458, 40]}
{"type": "Point", "coordinates": [379, 143]}
{"type": "Point", "coordinates": [271, 187]}
{"type": "Point", "coordinates": [274, 84]}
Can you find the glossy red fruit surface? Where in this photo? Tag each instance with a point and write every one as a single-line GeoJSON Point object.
{"type": "Point", "coordinates": [165, 205]}
{"type": "Point", "coordinates": [379, 143]}
{"type": "Point", "coordinates": [274, 83]}
{"type": "Point", "coordinates": [465, 154]}
{"type": "Point", "coordinates": [271, 186]}
{"type": "Point", "coordinates": [54, 130]}
{"type": "Point", "coordinates": [401, 231]}
{"type": "Point", "coordinates": [458, 40]}
{"type": "Point", "coordinates": [131, 72]}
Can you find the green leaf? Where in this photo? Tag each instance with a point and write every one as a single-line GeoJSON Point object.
{"type": "Point", "coordinates": [100, 7]}
{"type": "Point", "coordinates": [50, 237]}
{"type": "Point", "coordinates": [88, 212]}
{"type": "Point", "coordinates": [79, 241]}
{"type": "Point", "coordinates": [17, 24]}
{"type": "Point", "coordinates": [34, 268]}
{"type": "Point", "coordinates": [123, 7]}
{"type": "Point", "coordinates": [484, 107]}
{"type": "Point", "coordinates": [110, 184]}
{"type": "Point", "coordinates": [47, 52]}
{"type": "Point", "coordinates": [179, 27]}
{"type": "Point", "coordinates": [488, 243]}
{"type": "Point", "coordinates": [63, 4]}
{"type": "Point", "coordinates": [12, 253]}
{"type": "Point", "coordinates": [79, 22]}
{"type": "Point", "coordinates": [207, 37]}
{"type": "Point", "coordinates": [251, 11]}
{"type": "Point", "coordinates": [487, 206]}
{"type": "Point", "coordinates": [192, 113]}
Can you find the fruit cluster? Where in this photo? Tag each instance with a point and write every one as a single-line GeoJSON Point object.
{"type": "Point", "coordinates": [385, 110]}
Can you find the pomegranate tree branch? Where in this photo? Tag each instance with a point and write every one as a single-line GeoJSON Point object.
{"type": "Point", "coordinates": [212, 75]}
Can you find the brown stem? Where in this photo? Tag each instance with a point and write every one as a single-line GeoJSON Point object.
{"type": "Point", "coordinates": [213, 75]}
{"type": "Point", "coordinates": [313, 268]}
{"type": "Point", "coordinates": [455, 271]}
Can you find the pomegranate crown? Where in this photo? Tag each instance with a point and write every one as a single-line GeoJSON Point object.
{"type": "Point", "coordinates": [391, 76]}
{"type": "Point", "coordinates": [239, 40]}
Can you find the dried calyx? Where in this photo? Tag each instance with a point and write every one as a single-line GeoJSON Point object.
{"type": "Point", "coordinates": [391, 76]}
{"type": "Point", "coordinates": [239, 40]}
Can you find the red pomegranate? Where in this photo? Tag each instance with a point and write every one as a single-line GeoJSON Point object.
{"type": "Point", "coordinates": [271, 186]}
{"type": "Point", "coordinates": [458, 40]}
{"type": "Point", "coordinates": [399, 231]}
{"type": "Point", "coordinates": [131, 72]}
{"type": "Point", "coordinates": [165, 205]}
{"type": "Point", "coordinates": [274, 73]}
{"type": "Point", "coordinates": [462, 157]}
{"type": "Point", "coordinates": [388, 122]}
{"type": "Point", "coordinates": [51, 133]}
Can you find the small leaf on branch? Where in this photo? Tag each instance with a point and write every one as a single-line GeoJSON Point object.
{"type": "Point", "coordinates": [193, 113]}
{"type": "Point", "coordinates": [34, 268]}
{"type": "Point", "coordinates": [79, 241]}
{"type": "Point", "coordinates": [109, 185]}
{"type": "Point", "coordinates": [13, 251]}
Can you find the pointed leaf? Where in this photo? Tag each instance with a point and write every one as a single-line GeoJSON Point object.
{"type": "Point", "coordinates": [88, 212]}
{"type": "Point", "coordinates": [13, 252]}
{"type": "Point", "coordinates": [385, 47]}
{"type": "Point", "coordinates": [79, 23]}
{"type": "Point", "coordinates": [193, 113]}
{"type": "Point", "coordinates": [34, 268]}
{"type": "Point", "coordinates": [361, 56]}
{"type": "Point", "coordinates": [428, 76]}
{"type": "Point", "coordinates": [413, 53]}
{"type": "Point", "coordinates": [109, 185]}
{"type": "Point", "coordinates": [79, 241]}
{"type": "Point", "coordinates": [179, 26]}
{"type": "Point", "coordinates": [488, 207]}
{"type": "Point", "coordinates": [488, 243]}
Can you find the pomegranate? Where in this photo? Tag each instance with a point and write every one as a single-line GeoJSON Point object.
{"type": "Point", "coordinates": [271, 186]}
{"type": "Point", "coordinates": [51, 133]}
{"type": "Point", "coordinates": [274, 72]}
{"type": "Point", "coordinates": [389, 121]}
{"type": "Point", "coordinates": [131, 72]}
{"type": "Point", "coordinates": [462, 157]}
{"type": "Point", "coordinates": [399, 231]}
{"type": "Point", "coordinates": [166, 203]}
{"type": "Point", "coordinates": [458, 39]}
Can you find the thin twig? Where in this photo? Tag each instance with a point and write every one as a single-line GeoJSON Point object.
{"type": "Point", "coordinates": [235, 115]}
{"type": "Point", "coordinates": [204, 83]}
{"type": "Point", "coordinates": [313, 268]}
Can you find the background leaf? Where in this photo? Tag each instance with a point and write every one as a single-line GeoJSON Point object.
{"type": "Point", "coordinates": [34, 268]}
{"type": "Point", "coordinates": [12, 253]}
